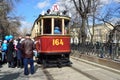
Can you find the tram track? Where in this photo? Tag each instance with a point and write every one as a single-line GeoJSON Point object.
{"type": "Point", "coordinates": [48, 75]}
{"type": "Point", "coordinates": [68, 73]}
{"type": "Point", "coordinates": [91, 76]}
{"type": "Point", "coordinates": [51, 77]}
{"type": "Point", "coordinates": [97, 65]}
{"type": "Point", "coordinates": [85, 74]}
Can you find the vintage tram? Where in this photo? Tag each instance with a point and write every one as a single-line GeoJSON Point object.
{"type": "Point", "coordinates": [51, 33]}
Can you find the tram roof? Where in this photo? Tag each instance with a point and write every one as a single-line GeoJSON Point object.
{"type": "Point", "coordinates": [52, 16]}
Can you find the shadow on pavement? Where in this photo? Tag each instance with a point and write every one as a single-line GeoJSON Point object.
{"type": "Point", "coordinates": [37, 66]}
{"type": "Point", "coordinates": [10, 76]}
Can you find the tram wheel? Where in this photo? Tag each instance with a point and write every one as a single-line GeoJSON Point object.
{"type": "Point", "coordinates": [59, 64]}
{"type": "Point", "coordinates": [44, 64]}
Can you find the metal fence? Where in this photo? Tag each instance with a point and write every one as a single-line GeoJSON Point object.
{"type": "Point", "coordinates": [111, 51]}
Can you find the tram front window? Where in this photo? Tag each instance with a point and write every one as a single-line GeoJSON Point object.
{"type": "Point", "coordinates": [57, 26]}
{"type": "Point", "coordinates": [47, 26]}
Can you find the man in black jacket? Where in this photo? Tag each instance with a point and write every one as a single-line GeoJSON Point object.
{"type": "Point", "coordinates": [27, 47]}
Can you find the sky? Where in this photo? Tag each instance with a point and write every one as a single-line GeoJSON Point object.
{"type": "Point", "coordinates": [29, 10]}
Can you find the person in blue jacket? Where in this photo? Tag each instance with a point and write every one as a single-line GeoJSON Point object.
{"type": "Point", "coordinates": [4, 50]}
{"type": "Point", "coordinates": [57, 30]}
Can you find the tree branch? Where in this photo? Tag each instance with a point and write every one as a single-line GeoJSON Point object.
{"type": "Point", "coordinates": [77, 7]}
{"type": "Point", "coordinates": [84, 4]}
{"type": "Point", "coordinates": [80, 5]}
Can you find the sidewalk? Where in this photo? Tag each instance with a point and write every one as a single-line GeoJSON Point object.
{"type": "Point", "coordinates": [106, 62]}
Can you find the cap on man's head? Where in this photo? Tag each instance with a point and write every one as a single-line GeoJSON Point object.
{"type": "Point", "coordinates": [27, 34]}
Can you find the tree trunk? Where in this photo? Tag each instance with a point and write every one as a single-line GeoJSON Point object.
{"type": "Point", "coordinates": [93, 28]}
{"type": "Point", "coordinates": [83, 33]}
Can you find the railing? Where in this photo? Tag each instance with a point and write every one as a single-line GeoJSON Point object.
{"type": "Point", "coordinates": [111, 51]}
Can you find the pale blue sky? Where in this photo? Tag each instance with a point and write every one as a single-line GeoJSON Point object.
{"type": "Point", "coordinates": [29, 10]}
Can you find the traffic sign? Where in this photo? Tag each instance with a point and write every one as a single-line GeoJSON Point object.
{"type": "Point", "coordinates": [55, 7]}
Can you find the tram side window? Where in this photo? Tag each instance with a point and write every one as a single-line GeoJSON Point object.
{"type": "Point", "coordinates": [58, 26]}
{"type": "Point", "coordinates": [47, 26]}
{"type": "Point", "coordinates": [66, 27]}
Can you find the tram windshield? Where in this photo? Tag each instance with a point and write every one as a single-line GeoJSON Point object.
{"type": "Point", "coordinates": [59, 26]}
{"type": "Point", "coordinates": [47, 26]}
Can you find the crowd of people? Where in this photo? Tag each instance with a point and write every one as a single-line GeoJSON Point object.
{"type": "Point", "coordinates": [18, 53]}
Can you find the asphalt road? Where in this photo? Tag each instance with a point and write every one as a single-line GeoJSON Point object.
{"type": "Point", "coordinates": [80, 70]}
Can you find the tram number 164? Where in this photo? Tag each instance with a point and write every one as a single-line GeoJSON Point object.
{"type": "Point", "coordinates": [56, 42]}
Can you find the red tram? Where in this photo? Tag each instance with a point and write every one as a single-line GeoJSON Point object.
{"type": "Point", "coordinates": [52, 45]}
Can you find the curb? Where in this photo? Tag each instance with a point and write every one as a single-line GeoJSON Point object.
{"type": "Point", "coordinates": [105, 62]}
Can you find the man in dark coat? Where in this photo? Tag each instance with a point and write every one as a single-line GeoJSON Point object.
{"type": "Point", "coordinates": [27, 47]}
{"type": "Point", "coordinates": [10, 52]}
{"type": "Point", "coordinates": [19, 54]}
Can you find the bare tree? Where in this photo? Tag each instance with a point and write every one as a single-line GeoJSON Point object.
{"type": "Point", "coordinates": [94, 10]}
{"type": "Point", "coordinates": [6, 6]}
{"type": "Point", "coordinates": [91, 9]}
{"type": "Point", "coordinates": [111, 16]}
{"type": "Point", "coordinates": [24, 31]}
{"type": "Point", "coordinates": [83, 8]}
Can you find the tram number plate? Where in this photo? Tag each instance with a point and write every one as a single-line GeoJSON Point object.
{"type": "Point", "coordinates": [57, 42]}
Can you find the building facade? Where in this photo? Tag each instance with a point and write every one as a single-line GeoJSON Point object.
{"type": "Point", "coordinates": [101, 32]}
